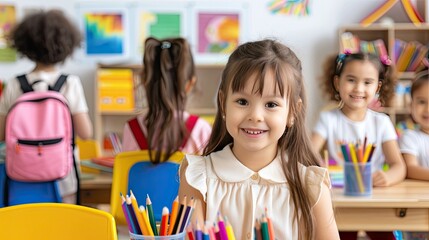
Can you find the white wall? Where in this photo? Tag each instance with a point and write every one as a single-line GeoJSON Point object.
{"type": "Point", "coordinates": [312, 37]}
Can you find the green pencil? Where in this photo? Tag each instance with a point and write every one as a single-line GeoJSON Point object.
{"type": "Point", "coordinates": [264, 229]}
{"type": "Point", "coordinates": [151, 216]}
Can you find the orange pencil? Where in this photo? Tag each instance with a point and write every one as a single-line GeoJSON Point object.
{"type": "Point", "coordinates": [270, 226]}
{"type": "Point", "coordinates": [164, 221]}
{"type": "Point", "coordinates": [173, 215]}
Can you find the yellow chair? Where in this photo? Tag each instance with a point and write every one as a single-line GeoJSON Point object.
{"type": "Point", "coordinates": [134, 171]}
{"type": "Point", "coordinates": [88, 149]}
{"type": "Point", "coordinates": [49, 221]}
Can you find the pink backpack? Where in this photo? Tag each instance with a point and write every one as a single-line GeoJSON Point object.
{"type": "Point", "coordinates": [39, 135]}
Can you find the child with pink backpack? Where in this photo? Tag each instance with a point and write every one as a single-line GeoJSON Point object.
{"type": "Point", "coordinates": [47, 38]}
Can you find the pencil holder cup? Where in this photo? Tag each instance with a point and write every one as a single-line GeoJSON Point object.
{"type": "Point", "coordinates": [179, 236]}
{"type": "Point", "coordinates": [357, 179]}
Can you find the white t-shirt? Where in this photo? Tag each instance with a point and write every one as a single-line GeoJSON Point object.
{"type": "Point", "coordinates": [242, 195]}
{"type": "Point", "coordinates": [72, 90]}
{"type": "Point", "coordinates": [334, 126]}
{"type": "Point", "coordinates": [416, 143]}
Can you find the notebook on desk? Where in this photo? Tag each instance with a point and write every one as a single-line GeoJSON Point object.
{"type": "Point", "coordinates": [104, 161]}
{"type": "Point", "coordinates": [91, 164]}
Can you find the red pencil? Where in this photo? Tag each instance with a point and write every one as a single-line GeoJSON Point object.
{"type": "Point", "coordinates": [164, 221]}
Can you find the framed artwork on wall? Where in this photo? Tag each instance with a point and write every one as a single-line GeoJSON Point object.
{"type": "Point", "coordinates": [7, 21]}
{"type": "Point", "coordinates": [106, 32]}
{"type": "Point", "coordinates": [168, 20]}
{"type": "Point", "coordinates": [217, 30]}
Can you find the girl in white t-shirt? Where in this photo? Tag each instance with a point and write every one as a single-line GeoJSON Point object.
{"type": "Point", "coordinates": [259, 155]}
{"type": "Point", "coordinates": [415, 143]}
{"type": "Point", "coordinates": [48, 38]}
{"type": "Point", "coordinates": [356, 79]}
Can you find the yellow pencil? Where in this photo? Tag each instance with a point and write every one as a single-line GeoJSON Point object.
{"type": "Point", "coordinates": [146, 220]}
{"type": "Point", "coordinates": [355, 163]}
{"type": "Point", "coordinates": [139, 217]}
{"type": "Point", "coordinates": [367, 152]}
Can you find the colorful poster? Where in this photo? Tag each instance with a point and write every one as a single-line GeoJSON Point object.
{"type": "Point", "coordinates": [158, 25]}
{"type": "Point", "coordinates": [7, 21]}
{"type": "Point", "coordinates": [218, 32]}
{"type": "Point", "coordinates": [105, 33]}
{"type": "Point", "coordinates": [290, 7]}
{"type": "Point", "coordinates": [160, 21]}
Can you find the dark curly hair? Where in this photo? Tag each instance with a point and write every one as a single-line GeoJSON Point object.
{"type": "Point", "coordinates": [46, 37]}
{"type": "Point", "coordinates": [333, 66]}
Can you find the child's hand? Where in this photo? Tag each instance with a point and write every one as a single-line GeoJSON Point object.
{"type": "Point", "coordinates": [380, 179]}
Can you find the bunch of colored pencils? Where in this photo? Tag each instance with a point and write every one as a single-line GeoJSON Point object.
{"type": "Point", "coordinates": [220, 230]}
{"type": "Point", "coordinates": [141, 220]}
{"type": "Point", "coordinates": [264, 229]}
{"type": "Point", "coordinates": [358, 154]}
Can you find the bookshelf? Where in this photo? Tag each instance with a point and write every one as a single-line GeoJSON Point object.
{"type": "Point", "coordinates": [407, 33]}
{"type": "Point", "coordinates": [201, 101]}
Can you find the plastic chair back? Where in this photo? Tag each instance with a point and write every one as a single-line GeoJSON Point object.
{"type": "Point", "coordinates": [134, 171]}
{"type": "Point", "coordinates": [51, 221]}
{"type": "Point", "coordinates": [2, 183]}
{"type": "Point", "coordinates": [88, 149]}
{"type": "Point", "coordinates": [18, 192]}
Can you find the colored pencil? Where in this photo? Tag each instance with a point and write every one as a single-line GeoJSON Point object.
{"type": "Point", "coordinates": [164, 222]}
{"type": "Point", "coordinates": [211, 231]}
{"type": "Point", "coordinates": [151, 215]}
{"type": "Point", "coordinates": [146, 220]}
{"type": "Point", "coordinates": [173, 215]}
{"type": "Point", "coordinates": [229, 230]}
{"type": "Point", "coordinates": [190, 233]}
{"type": "Point", "coordinates": [372, 152]}
{"type": "Point", "coordinates": [258, 233]}
{"type": "Point", "coordinates": [264, 229]}
{"type": "Point", "coordinates": [367, 152]}
{"type": "Point", "coordinates": [222, 228]}
{"type": "Point", "coordinates": [216, 231]}
{"type": "Point", "coordinates": [270, 225]}
{"type": "Point", "coordinates": [179, 215]}
{"type": "Point", "coordinates": [126, 214]}
{"type": "Point", "coordinates": [198, 232]}
{"type": "Point", "coordinates": [139, 217]}
{"type": "Point", "coordinates": [206, 234]}
{"type": "Point", "coordinates": [355, 164]}
{"type": "Point", "coordinates": [132, 214]}
{"type": "Point", "coordinates": [187, 214]}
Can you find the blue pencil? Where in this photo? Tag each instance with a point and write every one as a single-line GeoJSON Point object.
{"type": "Point", "coordinates": [133, 218]}
{"type": "Point", "coordinates": [127, 216]}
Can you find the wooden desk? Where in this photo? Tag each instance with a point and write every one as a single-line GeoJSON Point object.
{"type": "Point", "coordinates": [96, 190]}
{"type": "Point", "coordinates": [404, 206]}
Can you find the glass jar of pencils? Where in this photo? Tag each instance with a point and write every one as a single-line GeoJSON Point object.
{"type": "Point", "coordinates": [357, 179]}
{"type": "Point", "coordinates": [179, 236]}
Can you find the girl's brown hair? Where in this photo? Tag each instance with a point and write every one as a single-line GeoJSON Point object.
{"type": "Point", "coordinates": [256, 59]}
{"type": "Point", "coordinates": [334, 66]}
{"type": "Point", "coordinates": [168, 66]}
{"type": "Point", "coordinates": [46, 37]}
{"type": "Point", "coordinates": [421, 78]}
